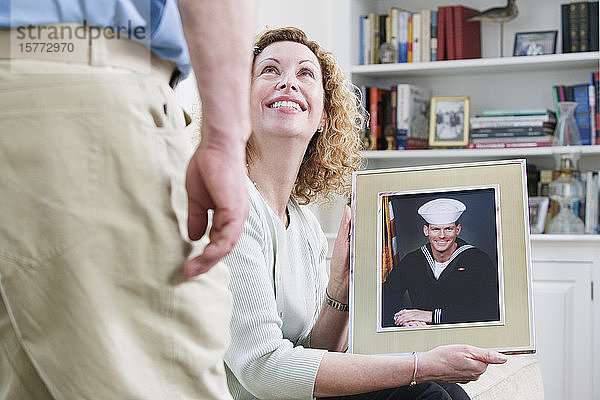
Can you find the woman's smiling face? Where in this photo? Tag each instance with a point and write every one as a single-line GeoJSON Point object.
{"type": "Point", "coordinates": [287, 95]}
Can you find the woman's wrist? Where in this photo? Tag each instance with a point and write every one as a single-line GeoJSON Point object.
{"type": "Point", "coordinates": [337, 293]}
{"type": "Point", "coordinates": [333, 303]}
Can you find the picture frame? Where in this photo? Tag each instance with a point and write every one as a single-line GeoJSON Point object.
{"type": "Point", "coordinates": [535, 43]}
{"type": "Point", "coordinates": [496, 202]}
{"type": "Point", "coordinates": [538, 209]}
{"type": "Point", "coordinates": [449, 121]}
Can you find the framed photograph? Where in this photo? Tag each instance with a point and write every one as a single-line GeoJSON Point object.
{"type": "Point", "coordinates": [449, 121]}
{"type": "Point", "coordinates": [535, 43]}
{"type": "Point", "coordinates": [538, 208]}
{"type": "Point", "coordinates": [429, 265]}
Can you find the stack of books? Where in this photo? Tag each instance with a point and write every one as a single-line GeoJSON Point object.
{"type": "Point", "coordinates": [511, 129]}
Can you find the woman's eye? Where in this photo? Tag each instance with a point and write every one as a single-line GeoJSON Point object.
{"type": "Point", "coordinates": [307, 72]}
{"type": "Point", "coordinates": [269, 70]}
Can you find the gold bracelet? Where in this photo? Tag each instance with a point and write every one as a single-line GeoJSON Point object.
{"type": "Point", "coordinates": [416, 363]}
{"type": "Point", "coordinates": [334, 303]}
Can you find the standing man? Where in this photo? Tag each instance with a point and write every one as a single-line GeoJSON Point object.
{"type": "Point", "coordinates": [99, 295]}
{"type": "Point", "coordinates": [446, 280]}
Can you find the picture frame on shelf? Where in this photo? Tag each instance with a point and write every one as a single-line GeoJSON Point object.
{"type": "Point", "coordinates": [535, 43]}
{"type": "Point", "coordinates": [538, 209]}
{"type": "Point", "coordinates": [495, 206]}
{"type": "Point", "coordinates": [449, 121]}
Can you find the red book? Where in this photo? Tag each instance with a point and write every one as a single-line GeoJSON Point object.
{"type": "Point", "coordinates": [377, 98]}
{"type": "Point", "coordinates": [414, 143]}
{"type": "Point", "coordinates": [467, 35]}
{"type": "Point", "coordinates": [449, 30]}
{"type": "Point", "coordinates": [441, 34]}
{"type": "Point", "coordinates": [373, 91]}
{"type": "Point", "coordinates": [562, 96]}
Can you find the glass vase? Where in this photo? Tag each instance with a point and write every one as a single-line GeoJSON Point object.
{"type": "Point", "coordinates": [566, 132]}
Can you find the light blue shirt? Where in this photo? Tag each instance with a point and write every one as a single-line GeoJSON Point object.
{"type": "Point", "coordinates": [157, 21]}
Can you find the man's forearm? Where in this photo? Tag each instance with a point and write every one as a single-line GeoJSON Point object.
{"type": "Point", "coordinates": [219, 36]}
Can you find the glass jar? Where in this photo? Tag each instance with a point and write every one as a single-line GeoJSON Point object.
{"type": "Point", "coordinates": [388, 53]}
{"type": "Point", "coordinates": [566, 190]}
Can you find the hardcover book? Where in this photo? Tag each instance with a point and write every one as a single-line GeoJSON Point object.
{"type": "Point", "coordinates": [403, 18]}
{"type": "Point", "coordinates": [564, 24]}
{"type": "Point", "coordinates": [441, 34]}
{"type": "Point", "coordinates": [450, 38]}
{"type": "Point", "coordinates": [425, 35]}
{"type": "Point", "coordinates": [434, 39]}
{"type": "Point", "coordinates": [416, 37]}
{"type": "Point", "coordinates": [412, 116]}
{"type": "Point", "coordinates": [467, 35]}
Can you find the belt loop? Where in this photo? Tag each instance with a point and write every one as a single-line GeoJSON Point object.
{"type": "Point", "coordinates": [98, 49]}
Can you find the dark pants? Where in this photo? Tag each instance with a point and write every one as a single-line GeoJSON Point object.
{"type": "Point", "coordinates": [421, 391]}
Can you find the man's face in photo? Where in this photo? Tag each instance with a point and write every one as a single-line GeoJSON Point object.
{"type": "Point", "coordinates": [442, 237]}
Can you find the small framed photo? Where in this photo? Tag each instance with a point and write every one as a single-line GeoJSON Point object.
{"type": "Point", "coordinates": [440, 255]}
{"type": "Point", "coordinates": [535, 43]}
{"type": "Point", "coordinates": [538, 208]}
{"type": "Point", "coordinates": [449, 121]}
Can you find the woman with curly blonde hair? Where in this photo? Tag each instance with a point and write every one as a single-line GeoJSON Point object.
{"type": "Point", "coordinates": [289, 326]}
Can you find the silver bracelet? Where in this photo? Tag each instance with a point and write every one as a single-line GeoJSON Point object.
{"type": "Point", "coordinates": [334, 303]}
{"type": "Point", "coordinates": [416, 363]}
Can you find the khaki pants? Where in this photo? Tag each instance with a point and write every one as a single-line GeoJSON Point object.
{"type": "Point", "coordinates": [92, 228]}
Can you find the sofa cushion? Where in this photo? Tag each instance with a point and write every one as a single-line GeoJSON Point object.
{"type": "Point", "coordinates": [518, 378]}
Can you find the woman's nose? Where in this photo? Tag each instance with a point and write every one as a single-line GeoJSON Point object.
{"type": "Point", "coordinates": [286, 83]}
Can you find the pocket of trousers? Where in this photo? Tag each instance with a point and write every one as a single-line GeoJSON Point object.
{"type": "Point", "coordinates": [49, 162]}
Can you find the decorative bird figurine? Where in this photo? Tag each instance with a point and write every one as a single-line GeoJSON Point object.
{"type": "Point", "coordinates": [499, 15]}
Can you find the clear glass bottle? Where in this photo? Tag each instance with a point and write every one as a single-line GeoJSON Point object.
{"type": "Point", "coordinates": [566, 190]}
{"type": "Point", "coordinates": [388, 53]}
{"type": "Point", "coordinates": [566, 132]}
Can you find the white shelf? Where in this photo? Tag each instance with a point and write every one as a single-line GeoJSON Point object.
{"type": "Point", "coordinates": [565, 238]}
{"type": "Point", "coordinates": [540, 156]}
{"type": "Point", "coordinates": [552, 62]}
{"type": "Point", "coordinates": [481, 153]}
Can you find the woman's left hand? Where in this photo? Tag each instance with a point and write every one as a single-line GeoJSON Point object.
{"type": "Point", "coordinates": [339, 277]}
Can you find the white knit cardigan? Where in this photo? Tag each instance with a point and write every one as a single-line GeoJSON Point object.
{"type": "Point", "coordinates": [278, 280]}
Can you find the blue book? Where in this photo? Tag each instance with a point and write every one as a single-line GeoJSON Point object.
{"type": "Point", "coordinates": [582, 112]}
{"type": "Point", "coordinates": [361, 40]}
{"type": "Point", "coordinates": [403, 36]}
{"type": "Point", "coordinates": [434, 35]}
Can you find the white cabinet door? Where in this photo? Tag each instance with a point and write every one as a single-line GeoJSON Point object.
{"type": "Point", "coordinates": [563, 324]}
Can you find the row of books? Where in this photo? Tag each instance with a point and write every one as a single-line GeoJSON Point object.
{"type": "Point", "coordinates": [398, 117]}
{"type": "Point", "coordinates": [512, 129]}
{"type": "Point", "coordinates": [587, 111]}
{"type": "Point", "coordinates": [402, 36]}
{"type": "Point", "coordinates": [588, 209]}
{"type": "Point", "coordinates": [579, 24]}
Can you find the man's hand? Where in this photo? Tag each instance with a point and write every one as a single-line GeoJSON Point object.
{"type": "Point", "coordinates": [404, 317]}
{"type": "Point", "coordinates": [216, 173]}
{"type": "Point", "coordinates": [215, 180]}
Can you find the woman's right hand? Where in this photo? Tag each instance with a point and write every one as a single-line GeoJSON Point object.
{"type": "Point", "coordinates": [456, 363]}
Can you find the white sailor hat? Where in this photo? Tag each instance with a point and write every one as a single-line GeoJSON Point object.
{"type": "Point", "coordinates": [442, 211]}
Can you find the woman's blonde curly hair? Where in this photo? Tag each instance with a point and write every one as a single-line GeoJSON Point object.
{"type": "Point", "coordinates": [331, 155]}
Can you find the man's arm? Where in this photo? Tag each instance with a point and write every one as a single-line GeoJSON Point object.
{"type": "Point", "coordinates": [219, 37]}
